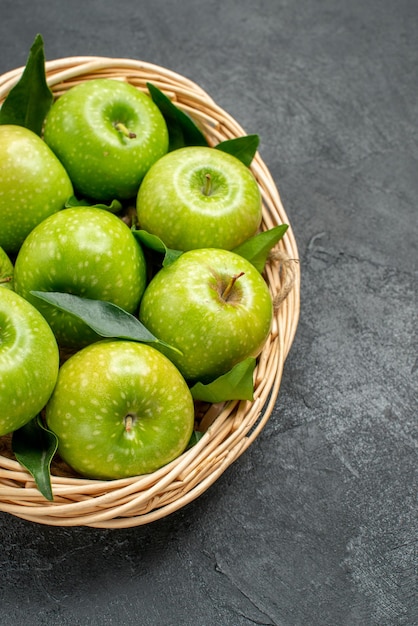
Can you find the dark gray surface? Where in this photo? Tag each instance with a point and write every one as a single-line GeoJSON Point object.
{"type": "Point", "coordinates": [316, 523]}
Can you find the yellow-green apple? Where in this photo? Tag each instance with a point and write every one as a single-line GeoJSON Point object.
{"type": "Point", "coordinates": [6, 270]}
{"type": "Point", "coordinates": [119, 409]}
{"type": "Point", "coordinates": [107, 133]}
{"type": "Point", "coordinates": [199, 197]}
{"type": "Point", "coordinates": [29, 361]}
{"type": "Point", "coordinates": [33, 184]}
{"type": "Point", "coordinates": [86, 251]}
{"type": "Point", "coordinates": [213, 306]}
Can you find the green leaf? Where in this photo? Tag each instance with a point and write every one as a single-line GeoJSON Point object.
{"type": "Point", "coordinates": [196, 436]}
{"type": "Point", "coordinates": [105, 318]}
{"type": "Point", "coordinates": [152, 242]}
{"type": "Point", "coordinates": [30, 99]}
{"type": "Point", "coordinates": [237, 384]}
{"type": "Point", "coordinates": [181, 128]}
{"type": "Point", "coordinates": [34, 447]}
{"type": "Point", "coordinates": [243, 148]}
{"type": "Point", "coordinates": [114, 207]}
{"type": "Point", "coordinates": [257, 248]}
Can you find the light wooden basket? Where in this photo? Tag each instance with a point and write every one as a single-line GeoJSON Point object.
{"type": "Point", "coordinates": [229, 428]}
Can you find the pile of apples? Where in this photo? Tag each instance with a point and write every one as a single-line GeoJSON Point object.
{"type": "Point", "coordinates": [77, 204]}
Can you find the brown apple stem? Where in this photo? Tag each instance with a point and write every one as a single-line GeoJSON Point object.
{"type": "Point", "coordinates": [130, 217]}
{"type": "Point", "coordinates": [124, 130]}
{"type": "Point", "coordinates": [4, 280]}
{"type": "Point", "coordinates": [129, 420]}
{"type": "Point", "coordinates": [208, 185]}
{"type": "Point", "coordinates": [226, 292]}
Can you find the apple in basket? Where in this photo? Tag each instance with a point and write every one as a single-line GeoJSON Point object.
{"type": "Point", "coordinates": [107, 133]}
{"type": "Point", "coordinates": [86, 251]}
{"type": "Point", "coordinates": [6, 270]}
{"type": "Point", "coordinates": [199, 197]}
{"type": "Point", "coordinates": [120, 409]}
{"type": "Point", "coordinates": [33, 184]}
{"type": "Point", "coordinates": [29, 361]}
{"type": "Point", "coordinates": [213, 306]}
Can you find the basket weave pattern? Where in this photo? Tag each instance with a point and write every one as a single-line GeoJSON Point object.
{"type": "Point", "coordinates": [229, 428]}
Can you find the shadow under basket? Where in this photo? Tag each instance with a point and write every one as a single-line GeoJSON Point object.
{"type": "Point", "coordinates": [229, 428]}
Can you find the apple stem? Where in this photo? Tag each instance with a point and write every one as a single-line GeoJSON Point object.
{"type": "Point", "coordinates": [208, 185]}
{"type": "Point", "coordinates": [6, 279]}
{"type": "Point", "coordinates": [129, 420]}
{"type": "Point", "coordinates": [130, 217]}
{"type": "Point", "coordinates": [124, 130]}
{"type": "Point", "coordinates": [226, 292]}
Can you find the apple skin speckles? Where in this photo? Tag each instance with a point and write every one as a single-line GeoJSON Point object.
{"type": "Point", "coordinates": [86, 251]}
{"type": "Point", "coordinates": [138, 412]}
{"type": "Point", "coordinates": [28, 361]}
{"type": "Point", "coordinates": [183, 306]}
{"type": "Point", "coordinates": [81, 128]}
{"type": "Point", "coordinates": [33, 184]}
{"type": "Point", "coordinates": [199, 197]}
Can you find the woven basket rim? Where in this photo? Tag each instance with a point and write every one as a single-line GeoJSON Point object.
{"type": "Point", "coordinates": [229, 428]}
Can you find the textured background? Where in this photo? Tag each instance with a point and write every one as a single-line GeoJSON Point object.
{"type": "Point", "coordinates": [316, 523]}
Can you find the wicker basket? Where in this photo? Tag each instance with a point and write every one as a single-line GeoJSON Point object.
{"type": "Point", "coordinates": [228, 428]}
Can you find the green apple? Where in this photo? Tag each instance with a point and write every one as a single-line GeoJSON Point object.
{"type": "Point", "coordinates": [86, 251]}
{"type": "Point", "coordinates": [213, 306]}
{"type": "Point", "coordinates": [29, 361]}
{"type": "Point", "coordinates": [107, 134]}
{"type": "Point", "coordinates": [6, 270]}
{"type": "Point", "coordinates": [199, 197]}
{"type": "Point", "coordinates": [120, 409]}
{"type": "Point", "coordinates": [33, 184]}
